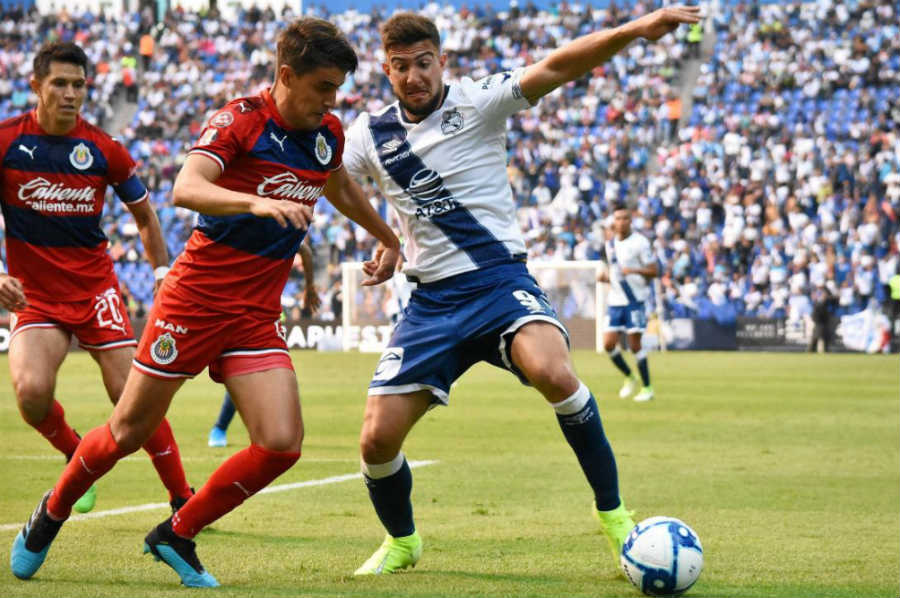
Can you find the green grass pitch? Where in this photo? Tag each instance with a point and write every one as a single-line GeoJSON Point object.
{"type": "Point", "coordinates": [786, 466]}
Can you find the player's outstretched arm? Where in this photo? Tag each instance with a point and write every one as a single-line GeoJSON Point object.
{"type": "Point", "coordinates": [345, 195]}
{"type": "Point", "coordinates": [195, 190]}
{"type": "Point", "coordinates": [589, 51]}
{"type": "Point", "coordinates": [151, 236]}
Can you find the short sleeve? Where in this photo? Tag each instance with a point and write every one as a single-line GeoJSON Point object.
{"type": "Point", "coordinates": [355, 156]}
{"type": "Point", "coordinates": [222, 139]}
{"type": "Point", "coordinates": [121, 174]}
{"type": "Point", "coordinates": [497, 96]}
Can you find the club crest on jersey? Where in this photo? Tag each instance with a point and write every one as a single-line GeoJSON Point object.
{"type": "Point", "coordinates": [323, 150]}
{"type": "Point", "coordinates": [163, 350]}
{"type": "Point", "coordinates": [222, 119]}
{"type": "Point", "coordinates": [451, 121]}
{"type": "Point", "coordinates": [81, 157]}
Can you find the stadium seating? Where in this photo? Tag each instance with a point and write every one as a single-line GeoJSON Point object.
{"type": "Point", "coordinates": [783, 179]}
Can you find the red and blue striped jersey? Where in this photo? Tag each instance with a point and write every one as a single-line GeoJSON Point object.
{"type": "Point", "coordinates": [241, 262]}
{"type": "Point", "coordinates": [52, 189]}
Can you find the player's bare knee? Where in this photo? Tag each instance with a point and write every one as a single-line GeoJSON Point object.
{"type": "Point", "coordinates": [554, 380]}
{"type": "Point", "coordinates": [286, 439]}
{"type": "Point", "coordinates": [33, 396]}
{"type": "Point", "coordinates": [377, 448]}
{"type": "Point", "coordinates": [129, 438]}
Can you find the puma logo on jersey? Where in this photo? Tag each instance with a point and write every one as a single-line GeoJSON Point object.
{"type": "Point", "coordinates": [30, 152]}
{"type": "Point", "coordinates": [280, 142]}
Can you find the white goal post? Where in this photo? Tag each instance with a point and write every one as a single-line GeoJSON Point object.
{"type": "Point", "coordinates": [571, 286]}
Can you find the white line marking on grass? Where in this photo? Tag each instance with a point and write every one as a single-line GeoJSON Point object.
{"type": "Point", "coordinates": [269, 490]}
{"type": "Point", "coordinates": [144, 457]}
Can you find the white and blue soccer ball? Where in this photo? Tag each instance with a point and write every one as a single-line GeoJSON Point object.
{"type": "Point", "coordinates": [662, 556]}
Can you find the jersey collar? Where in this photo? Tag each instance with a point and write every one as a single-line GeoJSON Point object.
{"type": "Point", "coordinates": [37, 123]}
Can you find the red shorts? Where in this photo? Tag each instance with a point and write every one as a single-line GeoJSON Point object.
{"type": "Point", "coordinates": [99, 324]}
{"type": "Point", "coordinates": [183, 337]}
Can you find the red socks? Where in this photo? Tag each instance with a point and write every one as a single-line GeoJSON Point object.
{"type": "Point", "coordinates": [55, 429]}
{"type": "Point", "coordinates": [237, 479]}
{"type": "Point", "coordinates": [96, 454]}
{"type": "Point", "coordinates": [166, 459]}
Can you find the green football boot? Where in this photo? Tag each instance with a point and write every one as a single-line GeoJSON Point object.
{"type": "Point", "coordinates": [646, 394]}
{"type": "Point", "coordinates": [615, 525]}
{"type": "Point", "coordinates": [87, 500]}
{"type": "Point", "coordinates": [393, 555]}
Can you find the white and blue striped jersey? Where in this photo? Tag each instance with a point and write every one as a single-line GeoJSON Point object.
{"type": "Point", "coordinates": [634, 251]}
{"type": "Point", "coordinates": [446, 176]}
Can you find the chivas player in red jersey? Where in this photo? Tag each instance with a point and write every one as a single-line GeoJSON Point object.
{"type": "Point", "coordinates": [54, 170]}
{"type": "Point", "coordinates": [254, 175]}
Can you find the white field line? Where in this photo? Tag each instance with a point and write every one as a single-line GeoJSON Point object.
{"type": "Point", "coordinates": [5, 527]}
{"type": "Point", "coordinates": [213, 456]}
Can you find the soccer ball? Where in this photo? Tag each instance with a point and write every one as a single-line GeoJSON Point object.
{"type": "Point", "coordinates": [662, 556]}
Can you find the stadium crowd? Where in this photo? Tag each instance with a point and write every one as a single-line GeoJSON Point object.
{"type": "Point", "coordinates": [783, 190]}
{"type": "Point", "coordinates": [780, 189]}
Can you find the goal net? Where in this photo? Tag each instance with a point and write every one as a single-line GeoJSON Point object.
{"type": "Point", "coordinates": [571, 287]}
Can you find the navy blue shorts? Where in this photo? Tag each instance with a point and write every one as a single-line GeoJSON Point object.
{"type": "Point", "coordinates": [630, 318]}
{"type": "Point", "coordinates": [450, 325]}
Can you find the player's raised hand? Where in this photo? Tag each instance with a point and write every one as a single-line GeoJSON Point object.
{"type": "Point", "coordinates": [12, 295]}
{"type": "Point", "coordinates": [658, 23]}
{"type": "Point", "coordinates": [381, 267]}
{"type": "Point", "coordinates": [283, 212]}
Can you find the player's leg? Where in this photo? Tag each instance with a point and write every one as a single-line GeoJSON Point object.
{"type": "Point", "coordinates": [640, 355]}
{"type": "Point", "coordinates": [270, 407]}
{"type": "Point", "coordinates": [115, 365]}
{"type": "Point", "coordinates": [387, 421]}
{"type": "Point", "coordinates": [217, 436]}
{"type": "Point", "coordinates": [35, 354]}
{"type": "Point", "coordinates": [34, 358]}
{"type": "Point", "coordinates": [539, 351]}
{"type": "Point", "coordinates": [138, 413]}
{"type": "Point", "coordinates": [614, 325]}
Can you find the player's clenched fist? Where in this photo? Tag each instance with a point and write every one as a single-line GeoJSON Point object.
{"type": "Point", "coordinates": [12, 295]}
{"type": "Point", "coordinates": [284, 212]}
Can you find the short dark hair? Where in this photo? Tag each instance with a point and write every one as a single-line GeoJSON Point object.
{"type": "Point", "coordinates": [407, 28]}
{"type": "Point", "coordinates": [58, 52]}
{"type": "Point", "coordinates": [309, 43]}
{"type": "Point", "coordinates": [618, 205]}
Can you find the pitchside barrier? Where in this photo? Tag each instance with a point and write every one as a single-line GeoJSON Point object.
{"type": "Point", "coordinates": [572, 288]}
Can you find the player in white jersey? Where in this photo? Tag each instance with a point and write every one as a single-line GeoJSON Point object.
{"type": "Point", "coordinates": [438, 155]}
{"type": "Point", "coordinates": [630, 267]}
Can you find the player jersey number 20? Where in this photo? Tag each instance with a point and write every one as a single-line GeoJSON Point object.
{"type": "Point", "coordinates": [109, 310]}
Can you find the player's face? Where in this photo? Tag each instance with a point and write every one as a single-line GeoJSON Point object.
{"type": "Point", "coordinates": [415, 73]}
{"type": "Point", "coordinates": [622, 223]}
{"type": "Point", "coordinates": [310, 95]}
{"type": "Point", "coordinates": [60, 94]}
